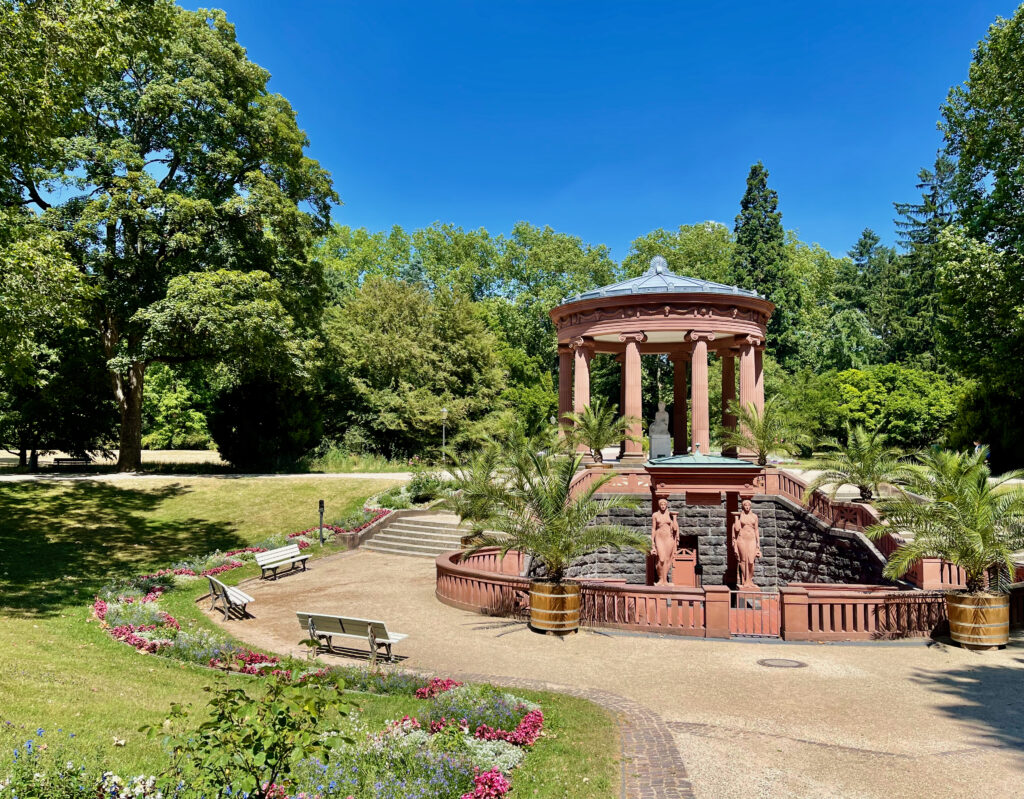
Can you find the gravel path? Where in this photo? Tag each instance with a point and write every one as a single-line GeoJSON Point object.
{"type": "Point", "coordinates": [885, 721]}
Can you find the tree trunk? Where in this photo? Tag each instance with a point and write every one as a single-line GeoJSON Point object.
{"type": "Point", "coordinates": [129, 396]}
{"type": "Point", "coordinates": [33, 460]}
{"type": "Point", "coordinates": [22, 456]}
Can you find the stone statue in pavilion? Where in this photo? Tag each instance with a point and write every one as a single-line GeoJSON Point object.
{"type": "Point", "coordinates": [664, 539]}
{"type": "Point", "coordinates": [661, 442]}
{"type": "Point", "coordinates": [746, 545]}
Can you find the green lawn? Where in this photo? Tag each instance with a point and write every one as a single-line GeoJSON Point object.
{"type": "Point", "coordinates": [60, 542]}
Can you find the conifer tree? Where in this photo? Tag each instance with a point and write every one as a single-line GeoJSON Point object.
{"type": "Point", "coordinates": [759, 262]}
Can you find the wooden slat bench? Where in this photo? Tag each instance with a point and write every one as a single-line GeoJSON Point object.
{"type": "Point", "coordinates": [229, 597]}
{"type": "Point", "coordinates": [274, 559]}
{"type": "Point", "coordinates": [324, 628]}
{"type": "Point", "coordinates": [72, 461]}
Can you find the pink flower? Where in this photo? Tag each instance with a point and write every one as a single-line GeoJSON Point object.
{"type": "Point", "coordinates": [489, 785]}
{"type": "Point", "coordinates": [99, 609]}
{"type": "Point", "coordinates": [526, 732]}
{"type": "Point", "coordinates": [436, 686]}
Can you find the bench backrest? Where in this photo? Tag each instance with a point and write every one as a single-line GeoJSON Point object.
{"type": "Point", "coordinates": [343, 625]}
{"type": "Point", "coordinates": [274, 555]}
{"type": "Point", "coordinates": [216, 586]}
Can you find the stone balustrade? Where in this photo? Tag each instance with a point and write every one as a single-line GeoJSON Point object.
{"type": "Point", "coordinates": [486, 583]}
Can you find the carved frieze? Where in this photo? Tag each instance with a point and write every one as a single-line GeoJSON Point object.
{"type": "Point", "coordinates": [666, 310]}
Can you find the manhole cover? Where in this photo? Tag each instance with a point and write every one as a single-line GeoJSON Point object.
{"type": "Point", "coordinates": [781, 663]}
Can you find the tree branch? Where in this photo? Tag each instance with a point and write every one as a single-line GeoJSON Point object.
{"type": "Point", "coordinates": [32, 191]}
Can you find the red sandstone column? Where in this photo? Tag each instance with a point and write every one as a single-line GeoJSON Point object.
{"type": "Point", "coordinates": [701, 435]}
{"type": "Point", "coordinates": [758, 378]}
{"type": "Point", "coordinates": [747, 378]}
{"type": "Point", "coordinates": [584, 349]}
{"type": "Point", "coordinates": [728, 394]}
{"type": "Point", "coordinates": [634, 449]}
{"type": "Point", "coordinates": [679, 404]}
{"type": "Point", "coordinates": [621, 359]}
{"type": "Point", "coordinates": [564, 386]}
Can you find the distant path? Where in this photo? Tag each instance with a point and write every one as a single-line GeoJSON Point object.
{"type": "Point", "coordinates": [113, 477]}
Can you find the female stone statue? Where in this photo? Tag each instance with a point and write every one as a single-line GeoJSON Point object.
{"type": "Point", "coordinates": [664, 538]}
{"type": "Point", "coordinates": [746, 544]}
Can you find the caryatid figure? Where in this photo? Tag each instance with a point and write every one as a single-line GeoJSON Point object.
{"type": "Point", "coordinates": [746, 544]}
{"type": "Point", "coordinates": [664, 538]}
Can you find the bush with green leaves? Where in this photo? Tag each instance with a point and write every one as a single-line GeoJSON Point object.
{"type": "Point", "coordinates": [426, 487]}
{"type": "Point", "coordinates": [247, 744]}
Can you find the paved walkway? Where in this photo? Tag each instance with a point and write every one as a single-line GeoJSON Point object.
{"type": "Point", "coordinates": [114, 477]}
{"type": "Point", "coordinates": [864, 721]}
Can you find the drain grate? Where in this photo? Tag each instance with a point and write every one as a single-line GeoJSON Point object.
{"type": "Point", "coordinates": [782, 663]}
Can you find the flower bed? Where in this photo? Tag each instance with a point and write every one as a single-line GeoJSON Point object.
{"type": "Point", "coordinates": [409, 757]}
{"type": "Point", "coordinates": [118, 605]}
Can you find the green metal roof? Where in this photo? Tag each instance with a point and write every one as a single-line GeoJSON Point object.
{"type": "Point", "coordinates": [698, 460]}
{"type": "Point", "coordinates": [659, 280]}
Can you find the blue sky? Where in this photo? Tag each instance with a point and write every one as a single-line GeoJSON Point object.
{"type": "Point", "coordinates": [608, 120]}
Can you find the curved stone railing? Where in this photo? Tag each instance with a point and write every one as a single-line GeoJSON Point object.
{"type": "Point", "coordinates": [476, 585]}
{"type": "Point", "coordinates": [482, 583]}
{"type": "Point", "coordinates": [816, 612]}
{"type": "Point", "coordinates": [674, 610]}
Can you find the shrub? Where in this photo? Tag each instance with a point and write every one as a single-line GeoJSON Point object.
{"type": "Point", "coordinates": [426, 487]}
{"type": "Point", "coordinates": [267, 737]}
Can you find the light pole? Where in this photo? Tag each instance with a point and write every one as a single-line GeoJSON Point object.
{"type": "Point", "coordinates": [444, 436]}
{"type": "Point", "coordinates": [321, 522]}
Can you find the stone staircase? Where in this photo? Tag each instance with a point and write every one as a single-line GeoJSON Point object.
{"type": "Point", "coordinates": [425, 536]}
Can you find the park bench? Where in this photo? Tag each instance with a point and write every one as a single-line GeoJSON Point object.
{"type": "Point", "coordinates": [73, 461]}
{"type": "Point", "coordinates": [229, 597]}
{"type": "Point", "coordinates": [274, 559]}
{"type": "Point", "coordinates": [325, 628]}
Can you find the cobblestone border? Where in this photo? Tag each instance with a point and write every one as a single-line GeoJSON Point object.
{"type": "Point", "coordinates": [652, 767]}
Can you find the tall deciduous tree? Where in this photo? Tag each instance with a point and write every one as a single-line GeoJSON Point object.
{"type": "Point", "coordinates": [703, 250]}
{"type": "Point", "coordinates": [983, 123]}
{"type": "Point", "coordinates": [178, 161]}
{"type": "Point", "coordinates": [759, 262]}
{"type": "Point", "coordinates": [401, 356]}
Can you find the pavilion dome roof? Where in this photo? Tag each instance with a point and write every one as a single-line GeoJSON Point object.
{"type": "Point", "coordinates": [659, 280]}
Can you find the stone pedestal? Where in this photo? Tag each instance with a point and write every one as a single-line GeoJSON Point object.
{"type": "Point", "coordinates": [661, 446]}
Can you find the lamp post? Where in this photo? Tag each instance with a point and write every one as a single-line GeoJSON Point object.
{"type": "Point", "coordinates": [321, 522]}
{"type": "Point", "coordinates": [444, 436]}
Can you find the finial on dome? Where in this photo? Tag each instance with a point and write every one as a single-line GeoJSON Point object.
{"type": "Point", "coordinates": [659, 265]}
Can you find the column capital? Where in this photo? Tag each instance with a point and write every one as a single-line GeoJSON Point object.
{"type": "Point", "coordinates": [637, 337]}
{"type": "Point", "coordinates": [700, 335]}
{"type": "Point", "coordinates": [564, 348]}
{"type": "Point", "coordinates": [585, 344]}
{"type": "Point", "coordinates": [752, 341]}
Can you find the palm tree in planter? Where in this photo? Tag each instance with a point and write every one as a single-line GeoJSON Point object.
{"type": "Point", "coordinates": [969, 520]}
{"type": "Point", "coordinates": [763, 432]}
{"type": "Point", "coordinates": [531, 507]}
{"type": "Point", "coordinates": [599, 426]}
{"type": "Point", "coordinates": [865, 461]}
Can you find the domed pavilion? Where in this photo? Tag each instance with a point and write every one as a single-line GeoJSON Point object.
{"type": "Point", "coordinates": [663, 313]}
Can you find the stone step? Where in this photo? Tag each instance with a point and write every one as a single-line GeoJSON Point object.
{"type": "Point", "coordinates": [401, 548]}
{"type": "Point", "coordinates": [412, 527]}
{"type": "Point", "coordinates": [389, 539]}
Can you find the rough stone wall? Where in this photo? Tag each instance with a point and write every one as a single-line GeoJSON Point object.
{"type": "Point", "coordinates": [795, 546]}
{"type": "Point", "coordinates": [808, 550]}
